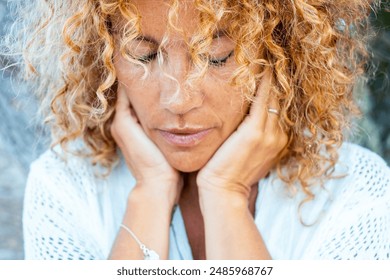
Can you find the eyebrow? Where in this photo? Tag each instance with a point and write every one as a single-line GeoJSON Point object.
{"type": "Point", "coordinates": [152, 40]}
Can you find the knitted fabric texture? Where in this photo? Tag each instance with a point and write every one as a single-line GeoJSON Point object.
{"type": "Point", "coordinates": [70, 213]}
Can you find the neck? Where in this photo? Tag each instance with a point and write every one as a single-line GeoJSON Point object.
{"type": "Point", "coordinates": [189, 183]}
{"type": "Point", "coordinates": [192, 216]}
{"type": "Point", "coordinates": [190, 190]}
{"type": "Point", "coordinates": [189, 194]}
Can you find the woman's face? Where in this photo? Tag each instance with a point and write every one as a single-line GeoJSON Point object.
{"type": "Point", "coordinates": [188, 124]}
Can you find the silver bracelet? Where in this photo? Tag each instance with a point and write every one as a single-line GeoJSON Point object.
{"type": "Point", "coordinates": [148, 253]}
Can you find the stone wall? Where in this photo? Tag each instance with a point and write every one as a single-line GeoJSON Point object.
{"type": "Point", "coordinates": [21, 141]}
{"type": "Point", "coordinates": [19, 145]}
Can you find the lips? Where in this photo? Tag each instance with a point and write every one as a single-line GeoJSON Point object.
{"type": "Point", "coordinates": [184, 137]}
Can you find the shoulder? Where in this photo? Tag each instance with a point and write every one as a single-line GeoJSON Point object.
{"type": "Point", "coordinates": [59, 172]}
{"type": "Point", "coordinates": [75, 178]}
{"type": "Point", "coordinates": [57, 219]}
{"type": "Point", "coordinates": [360, 181]}
{"type": "Point", "coordinates": [367, 176]}
{"type": "Point", "coordinates": [69, 206]}
{"type": "Point", "coordinates": [357, 219]}
{"type": "Point", "coordinates": [56, 158]}
{"type": "Point", "coordinates": [360, 156]}
{"type": "Point", "coordinates": [58, 182]}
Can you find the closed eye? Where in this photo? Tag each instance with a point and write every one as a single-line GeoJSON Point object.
{"type": "Point", "coordinates": [147, 58]}
{"type": "Point", "coordinates": [220, 62]}
{"type": "Point", "coordinates": [212, 61]}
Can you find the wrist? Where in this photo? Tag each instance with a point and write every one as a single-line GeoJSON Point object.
{"type": "Point", "coordinates": [144, 197]}
{"type": "Point", "coordinates": [148, 217]}
{"type": "Point", "coordinates": [219, 191]}
{"type": "Point", "coordinates": [162, 183]}
{"type": "Point", "coordinates": [220, 202]}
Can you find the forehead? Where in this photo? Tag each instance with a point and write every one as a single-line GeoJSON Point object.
{"type": "Point", "coordinates": [157, 15]}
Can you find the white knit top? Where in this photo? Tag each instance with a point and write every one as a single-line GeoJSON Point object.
{"type": "Point", "coordinates": [69, 213]}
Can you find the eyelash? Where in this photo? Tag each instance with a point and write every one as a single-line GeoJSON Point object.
{"type": "Point", "coordinates": [213, 62]}
{"type": "Point", "coordinates": [220, 62]}
{"type": "Point", "coordinates": [147, 58]}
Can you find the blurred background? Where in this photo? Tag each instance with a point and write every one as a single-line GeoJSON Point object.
{"type": "Point", "coordinates": [22, 139]}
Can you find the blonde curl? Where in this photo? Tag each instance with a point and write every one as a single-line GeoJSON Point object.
{"type": "Point", "coordinates": [316, 49]}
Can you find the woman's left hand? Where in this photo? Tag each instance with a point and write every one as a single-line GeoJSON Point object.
{"type": "Point", "coordinates": [248, 154]}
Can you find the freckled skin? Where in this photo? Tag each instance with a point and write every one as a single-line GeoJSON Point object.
{"type": "Point", "coordinates": [214, 178]}
{"type": "Point", "coordinates": [161, 103]}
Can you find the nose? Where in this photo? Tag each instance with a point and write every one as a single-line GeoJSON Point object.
{"type": "Point", "coordinates": [177, 95]}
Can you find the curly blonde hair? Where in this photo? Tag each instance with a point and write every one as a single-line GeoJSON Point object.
{"type": "Point", "coordinates": [316, 49]}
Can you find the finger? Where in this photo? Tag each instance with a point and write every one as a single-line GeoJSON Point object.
{"type": "Point", "coordinates": [122, 102]}
{"type": "Point", "coordinates": [123, 106]}
{"type": "Point", "coordinates": [273, 126]}
{"type": "Point", "coordinates": [273, 116]}
{"type": "Point", "coordinates": [258, 111]}
{"type": "Point", "coordinates": [273, 110]}
{"type": "Point", "coordinates": [127, 122]}
{"type": "Point", "coordinates": [121, 122]}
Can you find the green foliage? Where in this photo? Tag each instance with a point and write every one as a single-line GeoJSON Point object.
{"type": "Point", "coordinates": [379, 87]}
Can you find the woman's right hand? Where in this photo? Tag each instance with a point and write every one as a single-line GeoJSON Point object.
{"type": "Point", "coordinates": [150, 203]}
{"type": "Point", "coordinates": [154, 175]}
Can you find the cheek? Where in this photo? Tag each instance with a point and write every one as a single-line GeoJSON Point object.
{"type": "Point", "coordinates": [141, 92]}
{"type": "Point", "coordinates": [227, 99]}
{"type": "Point", "coordinates": [228, 103]}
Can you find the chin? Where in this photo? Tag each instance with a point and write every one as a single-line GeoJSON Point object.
{"type": "Point", "coordinates": [187, 163]}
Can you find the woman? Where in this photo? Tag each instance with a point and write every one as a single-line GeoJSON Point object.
{"type": "Point", "coordinates": [201, 129]}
